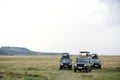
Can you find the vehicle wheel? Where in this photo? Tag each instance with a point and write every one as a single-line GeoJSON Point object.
{"type": "Point", "coordinates": [75, 70]}
{"type": "Point", "coordinates": [70, 68]}
{"type": "Point", "coordinates": [60, 68]}
{"type": "Point", "coordinates": [90, 70]}
{"type": "Point", "coordinates": [100, 67]}
{"type": "Point", "coordinates": [87, 70]}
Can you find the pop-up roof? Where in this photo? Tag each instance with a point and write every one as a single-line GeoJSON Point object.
{"type": "Point", "coordinates": [84, 52]}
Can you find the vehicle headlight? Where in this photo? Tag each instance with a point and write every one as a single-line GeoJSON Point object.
{"type": "Point", "coordinates": [61, 63]}
{"type": "Point", "coordinates": [70, 64]}
{"type": "Point", "coordinates": [75, 64]}
{"type": "Point", "coordinates": [85, 65]}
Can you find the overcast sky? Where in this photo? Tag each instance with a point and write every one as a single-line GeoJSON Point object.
{"type": "Point", "coordinates": [61, 25]}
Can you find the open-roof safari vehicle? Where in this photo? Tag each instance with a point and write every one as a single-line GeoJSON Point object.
{"type": "Point", "coordinates": [83, 62]}
{"type": "Point", "coordinates": [85, 53]}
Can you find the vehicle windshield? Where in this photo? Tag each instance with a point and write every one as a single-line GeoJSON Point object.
{"type": "Point", "coordinates": [86, 60]}
{"type": "Point", "coordinates": [65, 60]}
{"type": "Point", "coordinates": [95, 57]}
{"type": "Point", "coordinates": [95, 60]}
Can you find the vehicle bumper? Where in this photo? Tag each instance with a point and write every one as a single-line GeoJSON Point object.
{"type": "Point", "coordinates": [66, 66]}
{"type": "Point", "coordinates": [96, 66]}
{"type": "Point", "coordinates": [80, 68]}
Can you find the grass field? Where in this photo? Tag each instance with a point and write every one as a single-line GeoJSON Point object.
{"type": "Point", "coordinates": [47, 68]}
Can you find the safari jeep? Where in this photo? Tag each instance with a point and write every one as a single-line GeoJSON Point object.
{"type": "Point", "coordinates": [96, 62]}
{"type": "Point", "coordinates": [65, 61]}
{"type": "Point", "coordinates": [83, 63]}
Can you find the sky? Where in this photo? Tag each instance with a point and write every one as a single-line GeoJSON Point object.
{"type": "Point", "coordinates": [61, 25]}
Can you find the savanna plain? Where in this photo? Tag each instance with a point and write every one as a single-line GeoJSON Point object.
{"type": "Point", "coordinates": [47, 68]}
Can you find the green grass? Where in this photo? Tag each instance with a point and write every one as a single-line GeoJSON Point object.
{"type": "Point", "coordinates": [47, 68]}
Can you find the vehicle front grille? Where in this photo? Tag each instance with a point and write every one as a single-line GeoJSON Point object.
{"type": "Point", "coordinates": [96, 63]}
{"type": "Point", "coordinates": [65, 64]}
{"type": "Point", "coordinates": [80, 65]}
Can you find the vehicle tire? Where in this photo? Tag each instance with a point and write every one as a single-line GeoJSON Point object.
{"type": "Point", "coordinates": [70, 68]}
{"type": "Point", "coordinates": [60, 68]}
{"type": "Point", "coordinates": [90, 69]}
{"type": "Point", "coordinates": [100, 67]}
{"type": "Point", "coordinates": [87, 70]}
{"type": "Point", "coordinates": [75, 70]}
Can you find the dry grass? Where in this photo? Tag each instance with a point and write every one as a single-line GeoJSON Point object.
{"type": "Point", "coordinates": [46, 68]}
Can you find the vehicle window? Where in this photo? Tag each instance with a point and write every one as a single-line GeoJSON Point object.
{"type": "Point", "coordinates": [65, 60]}
{"type": "Point", "coordinates": [83, 60]}
{"type": "Point", "coordinates": [95, 60]}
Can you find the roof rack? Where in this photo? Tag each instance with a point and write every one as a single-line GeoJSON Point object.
{"type": "Point", "coordinates": [84, 52]}
{"type": "Point", "coordinates": [65, 55]}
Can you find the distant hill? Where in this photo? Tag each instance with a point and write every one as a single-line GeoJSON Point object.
{"type": "Point", "coordinates": [22, 51]}
{"type": "Point", "coordinates": [16, 51]}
